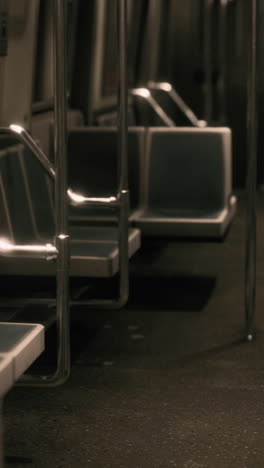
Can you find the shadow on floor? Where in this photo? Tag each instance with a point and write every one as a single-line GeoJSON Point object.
{"type": "Point", "coordinates": [178, 293]}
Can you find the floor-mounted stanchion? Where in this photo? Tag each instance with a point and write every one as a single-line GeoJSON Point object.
{"type": "Point", "coordinates": [251, 182]}
{"type": "Point", "coordinates": [122, 124]}
{"type": "Point", "coordinates": [59, 172]}
{"type": "Point", "coordinates": [62, 240]}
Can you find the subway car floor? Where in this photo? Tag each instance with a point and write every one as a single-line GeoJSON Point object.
{"type": "Point", "coordinates": [167, 381]}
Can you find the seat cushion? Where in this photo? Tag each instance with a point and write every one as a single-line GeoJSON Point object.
{"type": "Point", "coordinates": [175, 223]}
{"type": "Point", "coordinates": [23, 343]}
{"type": "Point", "coordinates": [94, 253]}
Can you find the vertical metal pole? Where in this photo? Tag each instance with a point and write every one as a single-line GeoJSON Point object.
{"type": "Point", "coordinates": [62, 239]}
{"type": "Point", "coordinates": [207, 57]}
{"type": "Point", "coordinates": [251, 219]}
{"type": "Point", "coordinates": [1, 435]}
{"type": "Point", "coordinates": [123, 147]}
{"type": "Point", "coordinates": [222, 52]}
{"type": "Point", "coordinates": [122, 92]}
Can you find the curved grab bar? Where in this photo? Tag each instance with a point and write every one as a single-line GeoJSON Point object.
{"type": "Point", "coordinates": [59, 173]}
{"type": "Point", "coordinates": [177, 99]}
{"type": "Point", "coordinates": [145, 94]}
{"type": "Point", "coordinates": [75, 198]}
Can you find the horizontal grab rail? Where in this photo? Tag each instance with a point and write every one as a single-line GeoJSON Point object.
{"type": "Point", "coordinates": [8, 249]}
{"type": "Point", "coordinates": [77, 199]}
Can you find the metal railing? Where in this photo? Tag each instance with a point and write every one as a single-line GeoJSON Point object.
{"type": "Point", "coordinates": [76, 199]}
{"type": "Point", "coordinates": [58, 172]}
{"type": "Point", "coordinates": [222, 60]}
{"type": "Point", "coordinates": [177, 99]}
{"type": "Point", "coordinates": [207, 60]}
{"type": "Point", "coordinates": [146, 95]}
{"type": "Point", "coordinates": [251, 184]}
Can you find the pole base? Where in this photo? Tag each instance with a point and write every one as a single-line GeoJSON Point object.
{"type": "Point", "coordinates": [250, 337]}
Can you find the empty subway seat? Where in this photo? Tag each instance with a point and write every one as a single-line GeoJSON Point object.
{"type": "Point", "coordinates": [93, 167]}
{"type": "Point", "coordinates": [187, 188]}
{"type": "Point", "coordinates": [20, 345]}
{"type": "Point", "coordinates": [90, 258]}
{"type": "Point", "coordinates": [94, 252]}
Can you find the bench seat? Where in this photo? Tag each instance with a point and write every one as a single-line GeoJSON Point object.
{"type": "Point", "coordinates": [21, 343]}
{"type": "Point", "coordinates": [94, 256]}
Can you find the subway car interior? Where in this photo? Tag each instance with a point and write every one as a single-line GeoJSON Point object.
{"type": "Point", "coordinates": [131, 203]}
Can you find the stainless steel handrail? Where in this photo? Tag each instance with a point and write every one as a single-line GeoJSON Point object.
{"type": "Point", "coordinates": [123, 192]}
{"type": "Point", "coordinates": [145, 94]}
{"type": "Point", "coordinates": [207, 59]}
{"type": "Point", "coordinates": [62, 238]}
{"type": "Point", "coordinates": [121, 201]}
{"type": "Point", "coordinates": [19, 132]}
{"type": "Point", "coordinates": [122, 126]}
{"type": "Point", "coordinates": [46, 251]}
{"type": "Point", "coordinates": [177, 99]}
{"type": "Point", "coordinates": [76, 199]}
{"type": "Point", "coordinates": [222, 59]}
{"type": "Point", "coordinates": [251, 185]}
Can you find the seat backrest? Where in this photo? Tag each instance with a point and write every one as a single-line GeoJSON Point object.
{"type": "Point", "coordinates": [16, 211]}
{"type": "Point", "coordinates": [43, 129]}
{"type": "Point", "coordinates": [40, 195]}
{"type": "Point", "coordinates": [93, 161]}
{"type": "Point", "coordinates": [92, 171]}
{"type": "Point", "coordinates": [188, 169]}
{"type": "Point", "coordinates": [43, 133]}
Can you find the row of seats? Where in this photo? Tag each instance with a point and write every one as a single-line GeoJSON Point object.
{"type": "Point", "coordinates": [27, 209]}
{"type": "Point", "coordinates": [179, 178]}
{"type": "Point", "coordinates": [180, 183]}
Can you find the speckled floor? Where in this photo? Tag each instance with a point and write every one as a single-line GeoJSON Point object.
{"type": "Point", "coordinates": [166, 382]}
